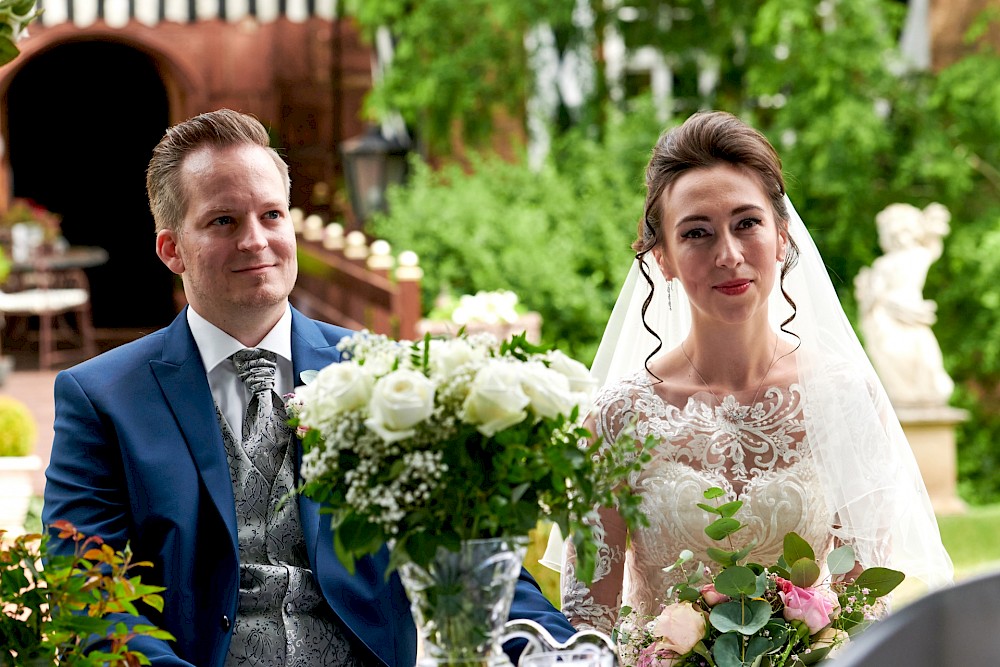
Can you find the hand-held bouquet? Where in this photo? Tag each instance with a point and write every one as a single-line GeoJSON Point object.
{"type": "Point", "coordinates": [425, 444]}
{"type": "Point", "coordinates": [789, 613]}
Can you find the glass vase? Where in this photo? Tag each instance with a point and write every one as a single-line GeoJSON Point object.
{"type": "Point", "coordinates": [461, 601]}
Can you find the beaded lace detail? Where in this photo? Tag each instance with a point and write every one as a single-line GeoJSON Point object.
{"type": "Point", "coordinates": [757, 453]}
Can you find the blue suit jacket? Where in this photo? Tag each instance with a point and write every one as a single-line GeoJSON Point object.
{"type": "Point", "coordinates": [138, 456]}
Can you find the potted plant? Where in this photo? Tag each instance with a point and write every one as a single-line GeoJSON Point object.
{"type": "Point", "coordinates": [55, 606]}
{"type": "Point", "coordinates": [18, 463]}
{"type": "Point", "coordinates": [31, 228]}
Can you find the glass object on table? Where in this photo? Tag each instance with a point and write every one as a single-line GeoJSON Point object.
{"type": "Point", "coordinates": [461, 600]}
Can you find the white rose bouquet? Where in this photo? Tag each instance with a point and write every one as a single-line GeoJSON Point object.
{"type": "Point", "coordinates": [429, 443]}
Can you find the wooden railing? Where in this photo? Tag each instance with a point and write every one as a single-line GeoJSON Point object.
{"type": "Point", "coordinates": [355, 282]}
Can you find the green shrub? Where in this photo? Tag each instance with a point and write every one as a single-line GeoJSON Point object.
{"type": "Point", "coordinates": [5, 265]}
{"type": "Point", "coordinates": [558, 236]}
{"type": "Point", "coordinates": [18, 430]}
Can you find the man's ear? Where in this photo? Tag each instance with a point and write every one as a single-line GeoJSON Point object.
{"type": "Point", "coordinates": [168, 252]}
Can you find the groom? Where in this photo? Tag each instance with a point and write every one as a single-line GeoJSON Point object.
{"type": "Point", "coordinates": [152, 446]}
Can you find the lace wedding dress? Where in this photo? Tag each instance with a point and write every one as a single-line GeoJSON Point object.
{"type": "Point", "coordinates": [758, 454]}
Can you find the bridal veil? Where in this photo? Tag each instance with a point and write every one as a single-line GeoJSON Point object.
{"type": "Point", "coordinates": [872, 483]}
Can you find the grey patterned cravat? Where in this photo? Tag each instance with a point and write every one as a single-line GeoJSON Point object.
{"type": "Point", "coordinates": [265, 429]}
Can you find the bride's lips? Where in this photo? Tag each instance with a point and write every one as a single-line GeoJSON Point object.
{"type": "Point", "coordinates": [733, 287]}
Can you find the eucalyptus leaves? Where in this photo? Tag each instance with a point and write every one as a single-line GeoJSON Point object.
{"type": "Point", "coordinates": [788, 613]}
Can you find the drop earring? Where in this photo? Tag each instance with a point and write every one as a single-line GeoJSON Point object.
{"type": "Point", "coordinates": [670, 295]}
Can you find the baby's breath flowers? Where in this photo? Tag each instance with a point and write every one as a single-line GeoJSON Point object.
{"type": "Point", "coordinates": [424, 444]}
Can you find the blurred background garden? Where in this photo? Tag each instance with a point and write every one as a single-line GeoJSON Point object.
{"type": "Point", "coordinates": [858, 122]}
{"type": "Point", "coordinates": [525, 127]}
{"type": "Point", "coordinates": [861, 117]}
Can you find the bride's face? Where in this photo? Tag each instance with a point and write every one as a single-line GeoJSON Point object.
{"type": "Point", "coordinates": [721, 240]}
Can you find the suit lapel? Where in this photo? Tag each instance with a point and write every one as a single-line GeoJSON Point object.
{"type": "Point", "coordinates": [311, 350]}
{"type": "Point", "coordinates": [182, 379]}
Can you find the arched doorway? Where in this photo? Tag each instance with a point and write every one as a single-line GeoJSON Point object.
{"type": "Point", "coordinates": [82, 120]}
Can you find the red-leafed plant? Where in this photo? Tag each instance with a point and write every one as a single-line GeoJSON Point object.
{"type": "Point", "coordinates": [54, 607]}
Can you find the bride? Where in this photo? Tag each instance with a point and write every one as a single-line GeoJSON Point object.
{"type": "Point", "coordinates": [728, 344]}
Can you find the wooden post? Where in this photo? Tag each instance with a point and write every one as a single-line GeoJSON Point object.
{"type": "Point", "coordinates": [407, 299]}
{"type": "Point", "coordinates": [380, 262]}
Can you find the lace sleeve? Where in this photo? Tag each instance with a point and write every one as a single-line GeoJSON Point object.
{"type": "Point", "coordinates": [595, 607]}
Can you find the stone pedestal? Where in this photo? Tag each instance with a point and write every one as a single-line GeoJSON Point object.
{"type": "Point", "coordinates": [16, 488]}
{"type": "Point", "coordinates": [931, 433]}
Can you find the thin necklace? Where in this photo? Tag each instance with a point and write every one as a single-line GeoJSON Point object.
{"type": "Point", "coordinates": [733, 413]}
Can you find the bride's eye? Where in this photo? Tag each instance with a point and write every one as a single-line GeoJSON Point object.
{"type": "Point", "coordinates": [695, 233]}
{"type": "Point", "coordinates": [747, 223]}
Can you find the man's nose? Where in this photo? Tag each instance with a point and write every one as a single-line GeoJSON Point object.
{"type": "Point", "coordinates": [252, 235]}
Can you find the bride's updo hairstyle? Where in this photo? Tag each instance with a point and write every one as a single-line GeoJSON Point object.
{"type": "Point", "coordinates": [707, 139]}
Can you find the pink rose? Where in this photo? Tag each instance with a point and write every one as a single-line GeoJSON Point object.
{"type": "Point", "coordinates": [711, 596]}
{"type": "Point", "coordinates": [814, 607]}
{"type": "Point", "coordinates": [654, 656]}
{"type": "Point", "coordinates": [678, 628]}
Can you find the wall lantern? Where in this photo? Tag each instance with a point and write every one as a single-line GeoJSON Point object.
{"type": "Point", "coordinates": [371, 164]}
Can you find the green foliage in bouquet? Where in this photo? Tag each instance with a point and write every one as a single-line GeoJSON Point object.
{"type": "Point", "coordinates": [424, 444]}
{"type": "Point", "coordinates": [54, 606]}
{"type": "Point", "coordinates": [788, 613]}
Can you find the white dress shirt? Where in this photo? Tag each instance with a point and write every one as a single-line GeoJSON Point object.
{"type": "Point", "coordinates": [216, 346]}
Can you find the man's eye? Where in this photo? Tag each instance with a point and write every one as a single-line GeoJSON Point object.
{"type": "Point", "coordinates": [223, 220]}
{"type": "Point", "coordinates": [272, 215]}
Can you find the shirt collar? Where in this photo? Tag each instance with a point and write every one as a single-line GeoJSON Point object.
{"type": "Point", "coordinates": [215, 345]}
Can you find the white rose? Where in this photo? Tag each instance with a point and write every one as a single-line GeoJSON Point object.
{"type": "Point", "coordinates": [579, 376]}
{"type": "Point", "coordinates": [496, 399]}
{"type": "Point", "coordinates": [400, 400]}
{"type": "Point", "coordinates": [337, 388]}
{"type": "Point", "coordinates": [447, 355]}
{"type": "Point", "coordinates": [547, 390]}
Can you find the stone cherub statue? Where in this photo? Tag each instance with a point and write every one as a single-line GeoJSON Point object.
{"type": "Point", "coordinates": [895, 318]}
